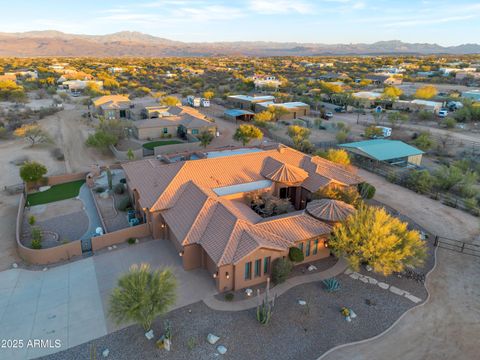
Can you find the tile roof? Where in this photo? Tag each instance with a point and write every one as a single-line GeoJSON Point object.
{"type": "Point", "coordinates": [282, 172]}
{"type": "Point", "coordinates": [329, 210]}
{"type": "Point", "coordinates": [174, 116]}
{"type": "Point", "coordinates": [112, 101]}
{"type": "Point", "coordinates": [229, 230]}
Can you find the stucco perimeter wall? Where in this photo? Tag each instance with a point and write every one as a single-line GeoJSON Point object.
{"type": "Point", "coordinates": [120, 236]}
{"type": "Point", "coordinates": [122, 155]}
{"type": "Point", "coordinates": [176, 148]}
{"type": "Point", "coordinates": [65, 178]}
{"type": "Point", "coordinates": [44, 256]}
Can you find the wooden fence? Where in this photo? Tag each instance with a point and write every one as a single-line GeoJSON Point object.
{"type": "Point", "coordinates": [457, 245]}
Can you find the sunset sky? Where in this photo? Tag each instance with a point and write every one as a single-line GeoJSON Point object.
{"type": "Point", "coordinates": [320, 21]}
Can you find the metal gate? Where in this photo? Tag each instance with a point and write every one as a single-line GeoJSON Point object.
{"type": "Point", "coordinates": [86, 245]}
{"type": "Point", "coordinates": [457, 245]}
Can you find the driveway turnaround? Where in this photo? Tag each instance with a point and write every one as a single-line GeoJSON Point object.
{"type": "Point", "coordinates": [61, 306]}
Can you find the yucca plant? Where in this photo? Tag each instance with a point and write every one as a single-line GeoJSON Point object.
{"type": "Point", "coordinates": [265, 307]}
{"type": "Point", "coordinates": [331, 284]}
{"type": "Point", "coordinates": [142, 294]}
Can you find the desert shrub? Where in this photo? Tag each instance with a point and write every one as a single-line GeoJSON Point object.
{"type": "Point", "coordinates": [449, 123]}
{"type": "Point", "coordinates": [119, 189]}
{"type": "Point", "coordinates": [36, 234]}
{"type": "Point", "coordinates": [36, 244]}
{"type": "Point", "coordinates": [471, 204]}
{"type": "Point", "coordinates": [58, 154]}
{"type": "Point", "coordinates": [32, 220]}
{"type": "Point", "coordinates": [229, 296]}
{"type": "Point", "coordinates": [366, 190]}
{"type": "Point", "coordinates": [3, 133]}
{"type": "Point", "coordinates": [331, 284]}
{"type": "Point", "coordinates": [131, 241]}
{"type": "Point", "coordinates": [420, 181]}
{"type": "Point", "coordinates": [295, 254]}
{"type": "Point", "coordinates": [99, 189]}
{"type": "Point", "coordinates": [281, 269]}
{"type": "Point", "coordinates": [124, 204]}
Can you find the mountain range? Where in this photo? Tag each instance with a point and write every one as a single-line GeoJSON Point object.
{"type": "Point", "coordinates": [128, 43]}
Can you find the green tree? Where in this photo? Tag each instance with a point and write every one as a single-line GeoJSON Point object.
{"type": "Point", "coordinates": [394, 118]}
{"type": "Point", "coordinates": [347, 195]}
{"type": "Point", "coordinates": [205, 138]}
{"type": "Point", "coordinates": [33, 134]}
{"type": "Point", "coordinates": [142, 294]}
{"type": "Point", "coordinates": [32, 171]}
{"type": "Point", "coordinates": [373, 132]}
{"type": "Point", "coordinates": [246, 133]}
{"type": "Point", "coordinates": [298, 134]}
{"type": "Point", "coordinates": [374, 237]}
{"type": "Point", "coordinates": [420, 181]}
{"type": "Point", "coordinates": [101, 140]}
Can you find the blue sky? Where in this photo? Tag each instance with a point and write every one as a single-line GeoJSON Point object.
{"type": "Point", "coordinates": [320, 21]}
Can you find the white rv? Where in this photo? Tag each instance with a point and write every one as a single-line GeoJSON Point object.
{"type": "Point", "coordinates": [386, 131]}
{"type": "Point", "coordinates": [193, 101]}
{"type": "Point", "coordinates": [205, 103]}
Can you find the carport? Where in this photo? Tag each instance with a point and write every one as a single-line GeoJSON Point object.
{"type": "Point", "coordinates": [238, 114]}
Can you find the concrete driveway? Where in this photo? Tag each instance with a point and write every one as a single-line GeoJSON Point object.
{"type": "Point", "coordinates": [69, 303]}
{"type": "Point", "coordinates": [192, 286]}
{"type": "Point", "coordinates": [62, 304]}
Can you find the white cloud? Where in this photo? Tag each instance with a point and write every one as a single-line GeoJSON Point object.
{"type": "Point", "coordinates": [280, 6]}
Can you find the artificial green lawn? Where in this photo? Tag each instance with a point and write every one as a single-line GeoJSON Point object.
{"type": "Point", "coordinates": [154, 144]}
{"type": "Point", "coordinates": [56, 193]}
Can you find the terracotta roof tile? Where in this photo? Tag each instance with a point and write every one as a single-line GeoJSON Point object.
{"type": "Point", "coordinates": [329, 210]}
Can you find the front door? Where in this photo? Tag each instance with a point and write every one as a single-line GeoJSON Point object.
{"type": "Point", "coordinates": [86, 245]}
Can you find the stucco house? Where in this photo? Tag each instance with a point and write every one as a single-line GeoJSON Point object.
{"type": "Point", "coordinates": [113, 106]}
{"type": "Point", "coordinates": [202, 207]}
{"type": "Point", "coordinates": [172, 121]}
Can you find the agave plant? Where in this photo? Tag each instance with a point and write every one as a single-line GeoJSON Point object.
{"type": "Point", "coordinates": [331, 284]}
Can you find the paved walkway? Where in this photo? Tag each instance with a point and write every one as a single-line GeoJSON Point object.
{"type": "Point", "coordinates": [216, 304]}
{"type": "Point", "coordinates": [93, 218]}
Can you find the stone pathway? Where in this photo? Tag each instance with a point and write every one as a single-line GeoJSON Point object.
{"type": "Point", "coordinates": [216, 304]}
{"type": "Point", "coordinates": [370, 280]}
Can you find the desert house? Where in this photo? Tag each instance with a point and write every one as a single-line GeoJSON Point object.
{"type": "Point", "coordinates": [392, 152]}
{"type": "Point", "coordinates": [113, 106]}
{"type": "Point", "coordinates": [202, 207]}
{"type": "Point", "coordinates": [293, 110]}
{"type": "Point", "coordinates": [171, 121]}
{"type": "Point", "coordinates": [245, 102]}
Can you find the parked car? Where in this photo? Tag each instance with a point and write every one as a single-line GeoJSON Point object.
{"type": "Point", "coordinates": [340, 109]}
{"type": "Point", "coordinates": [442, 113]}
{"type": "Point", "coordinates": [328, 115]}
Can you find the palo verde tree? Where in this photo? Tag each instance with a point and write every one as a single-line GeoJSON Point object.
{"type": "Point", "coordinates": [338, 156]}
{"type": "Point", "coordinates": [33, 133]}
{"type": "Point", "coordinates": [426, 92]}
{"type": "Point", "coordinates": [298, 134]}
{"type": "Point", "coordinates": [142, 294]}
{"type": "Point", "coordinates": [246, 133]}
{"type": "Point", "coordinates": [374, 237]}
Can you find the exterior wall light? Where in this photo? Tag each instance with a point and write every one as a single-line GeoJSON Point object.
{"type": "Point", "coordinates": [325, 243]}
{"type": "Point", "coordinates": [215, 275]}
{"type": "Point", "coordinates": [227, 275]}
{"type": "Point", "coordinates": [181, 253]}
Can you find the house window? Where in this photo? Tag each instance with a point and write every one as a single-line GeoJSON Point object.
{"type": "Point", "coordinates": [300, 246]}
{"type": "Point", "coordinates": [315, 247]}
{"type": "Point", "coordinates": [307, 251]}
{"type": "Point", "coordinates": [258, 267]}
{"type": "Point", "coordinates": [194, 131]}
{"type": "Point", "coordinates": [165, 130]}
{"type": "Point", "coordinates": [248, 270]}
{"type": "Point", "coordinates": [266, 264]}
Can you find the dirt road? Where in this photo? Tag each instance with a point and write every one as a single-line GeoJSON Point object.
{"type": "Point", "coordinates": [446, 327]}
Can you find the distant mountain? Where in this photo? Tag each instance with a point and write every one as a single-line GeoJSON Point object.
{"type": "Point", "coordinates": [128, 43]}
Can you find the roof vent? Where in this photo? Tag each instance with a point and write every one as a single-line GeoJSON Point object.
{"type": "Point", "coordinates": [281, 149]}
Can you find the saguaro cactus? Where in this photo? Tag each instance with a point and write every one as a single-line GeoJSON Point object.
{"type": "Point", "coordinates": [265, 307]}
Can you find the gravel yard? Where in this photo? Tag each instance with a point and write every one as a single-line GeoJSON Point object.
{"type": "Point", "coordinates": [295, 331]}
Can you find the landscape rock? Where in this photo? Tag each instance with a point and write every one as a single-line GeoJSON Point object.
{"type": "Point", "coordinates": [372, 281]}
{"type": "Point", "coordinates": [368, 268]}
{"type": "Point", "coordinates": [383, 285]}
{"type": "Point", "coordinates": [353, 315]}
{"type": "Point", "coordinates": [413, 298]}
{"type": "Point", "coordinates": [44, 188]}
{"type": "Point", "coordinates": [45, 269]}
{"type": "Point", "coordinates": [397, 291]}
{"type": "Point", "coordinates": [364, 279]}
{"type": "Point", "coordinates": [221, 349]}
{"type": "Point", "coordinates": [249, 292]}
{"type": "Point", "coordinates": [105, 352]}
{"type": "Point", "coordinates": [354, 275]}
{"type": "Point", "coordinates": [212, 339]}
{"type": "Point", "coordinates": [370, 302]}
{"type": "Point", "coordinates": [348, 272]}
{"type": "Point", "coordinates": [109, 248]}
{"type": "Point", "coordinates": [15, 265]}
{"type": "Point", "coordinates": [302, 302]}
{"type": "Point", "coordinates": [312, 268]}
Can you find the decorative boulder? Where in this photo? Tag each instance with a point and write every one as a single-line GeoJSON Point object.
{"type": "Point", "coordinates": [105, 353]}
{"type": "Point", "coordinates": [249, 292]}
{"type": "Point", "coordinates": [302, 302]}
{"type": "Point", "coordinates": [149, 335]}
{"type": "Point", "coordinates": [212, 339]}
{"type": "Point", "coordinates": [43, 188]}
{"type": "Point", "coordinates": [352, 314]}
{"type": "Point", "coordinates": [312, 268]}
{"type": "Point", "coordinates": [221, 349]}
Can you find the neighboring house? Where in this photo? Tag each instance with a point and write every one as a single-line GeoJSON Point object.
{"type": "Point", "coordinates": [201, 207]}
{"type": "Point", "coordinates": [113, 106]}
{"type": "Point", "coordinates": [116, 70]}
{"type": "Point", "coordinates": [293, 109]}
{"type": "Point", "coordinates": [8, 77]}
{"type": "Point", "coordinates": [164, 121]}
{"type": "Point", "coordinates": [80, 85]}
{"type": "Point", "coordinates": [461, 75]}
{"type": "Point", "coordinates": [237, 114]}
{"type": "Point", "coordinates": [393, 152]}
{"type": "Point", "coordinates": [385, 79]}
{"type": "Point", "coordinates": [261, 81]}
{"type": "Point", "coordinates": [472, 94]}
{"type": "Point", "coordinates": [245, 102]}
{"type": "Point", "coordinates": [417, 105]}
{"type": "Point", "coordinates": [25, 73]}
{"type": "Point", "coordinates": [367, 98]}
